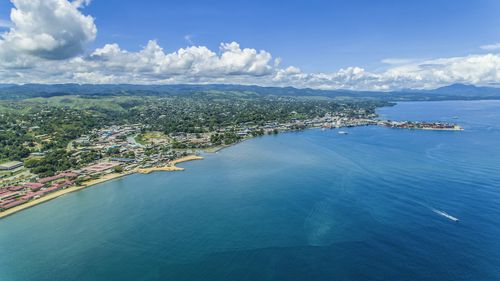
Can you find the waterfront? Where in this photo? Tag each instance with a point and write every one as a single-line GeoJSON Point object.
{"type": "Point", "coordinates": [311, 205]}
{"type": "Point", "coordinates": [171, 167]}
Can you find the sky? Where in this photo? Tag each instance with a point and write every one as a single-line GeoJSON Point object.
{"type": "Point", "coordinates": [359, 45]}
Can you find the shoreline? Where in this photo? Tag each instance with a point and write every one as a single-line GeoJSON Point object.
{"type": "Point", "coordinates": [171, 166]}
{"type": "Point", "coordinates": [168, 168]}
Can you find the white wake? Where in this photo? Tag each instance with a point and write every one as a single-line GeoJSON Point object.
{"type": "Point", "coordinates": [446, 215]}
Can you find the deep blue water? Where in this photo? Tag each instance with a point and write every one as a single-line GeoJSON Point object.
{"type": "Point", "coordinates": [312, 205]}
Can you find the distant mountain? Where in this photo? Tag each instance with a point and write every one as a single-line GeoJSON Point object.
{"type": "Point", "coordinates": [463, 89]}
{"type": "Point", "coordinates": [451, 92]}
{"type": "Point", "coordinates": [6, 85]}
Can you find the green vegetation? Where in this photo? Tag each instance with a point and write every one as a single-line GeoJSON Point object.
{"type": "Point", "coordinates": [53, 161]}
{"type": "Point", "coordinates": [118, 169]}
{"type": "Point", "coordinates": [148, 137]}
{"type": "Point", "coordinates": [48, 125]}
{"type": "Point", "coordinates": [225, 138]}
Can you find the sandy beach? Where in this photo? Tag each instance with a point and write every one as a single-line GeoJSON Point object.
{"type": "Point", "coordinates": [170, 167]}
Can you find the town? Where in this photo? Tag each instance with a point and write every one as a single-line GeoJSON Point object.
{"type": "Point", "coordinates": [146, 141]}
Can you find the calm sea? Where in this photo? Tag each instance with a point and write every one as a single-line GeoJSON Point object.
{"type": "Point", "coordinates": [376, 204]}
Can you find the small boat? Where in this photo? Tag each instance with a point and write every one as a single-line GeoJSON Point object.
{"type": "Point", "coordinates": [446, 215]}
{"type": "Point", "coordinates": [455, 117]}
{"type": "Point", "coordinates": [343, 133]}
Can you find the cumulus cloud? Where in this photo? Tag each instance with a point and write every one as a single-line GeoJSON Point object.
{"type": "Point", "coordinates": [234, 64]}
{"type": "Point", "coordinates": [194, 61]}
{"type": "Point", "coordinates": [473, 69]}
{"type": "Point", "coordinates": [49, 29]}
{"type": "Point", "coordinates": [47, 40]}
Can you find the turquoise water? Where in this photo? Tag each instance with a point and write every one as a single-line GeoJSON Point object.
{"type": "Point", "coordinates": [312, 205]}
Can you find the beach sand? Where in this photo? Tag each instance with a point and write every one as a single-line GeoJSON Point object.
{"type": "Point", "coordinates": [61, 192]}
{"type": "Point", "coordinates": [170, 167]}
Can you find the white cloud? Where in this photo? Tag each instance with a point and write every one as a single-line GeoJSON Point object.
{"type": "Point", "coordinates": [195, 61]}
{"type": "Point", "coordinates": [233, 64]}
{"type": "Point", "coordinates": [49, 29]}
{"type": "Point", "coordinates": [473, 69]}
{"type": "Point", "coordinates": [46, 44]}
{"type": "Point", "coordinates": [491, 47]}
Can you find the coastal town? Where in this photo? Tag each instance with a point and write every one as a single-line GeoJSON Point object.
{"type": "Point", "coordinates": [126, 149]}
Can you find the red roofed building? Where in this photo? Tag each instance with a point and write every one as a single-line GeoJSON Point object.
{"type": "Point", "coordinates": [58, 176]}
{"type": "Point", "coordinates": [12, 204]}
{"type": "Point", "coordinates": [15, 188]}
{"type": "Point", "coordinates": [69, 175]}
{"type": "Point", "coordinates": [29, 196]}
{"type": "Point", "coordinates": [49, 179]}
{"type": "Point", "coordinates": [57, 186]}
{"type": "Point", "coordinates": [34, 186]}
{"type": "Point", "coordinates": [9, 195]}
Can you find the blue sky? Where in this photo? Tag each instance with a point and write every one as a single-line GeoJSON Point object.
{"type": "Point", "coordinates": [315, 36]}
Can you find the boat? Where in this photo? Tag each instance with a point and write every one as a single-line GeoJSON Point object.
{"type": "Point", "coordinates": [446, 215]}
{"type": "Point", "coordinates": [343, 133]}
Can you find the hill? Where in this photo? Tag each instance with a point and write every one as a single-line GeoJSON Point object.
{"type": "Point", "coordinates": [451, 92]}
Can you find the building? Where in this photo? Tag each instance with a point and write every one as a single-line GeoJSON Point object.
{"type": "Point", "coordinates": [70, 175]}
{"type": "Point", "coordinates": [99, 168]}
{"type": "Point", "coordinates": [124, 160]}
{"type": "Point", "coordinates": [33, 186]}
{"type": "Point", "coordinates": [11, 165]}
{"type": "Point", "coordinates": [15, 188]}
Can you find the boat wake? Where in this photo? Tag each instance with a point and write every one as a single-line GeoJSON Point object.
{"type": "Point", "coordinates": [446, 215]}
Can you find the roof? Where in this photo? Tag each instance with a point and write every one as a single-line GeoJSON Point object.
{"type": "Point", "coordinates": [15, 203]}
{"type": "Point", "coordinates": [49, 179]}
{"type": "Point", "coordinates": [11, 164]}
{"type": "Point", "coordinates": [33, 185]}
{"type": "Point", "coordinates": [15, 188]}
{"type": "Point", "coordinates": [100, 167]}
{"type": "Point", "coordinates": [69, 174]}
{"type": "Point", "coordinates": [123, 159]}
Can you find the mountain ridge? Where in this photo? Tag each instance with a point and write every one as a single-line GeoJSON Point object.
{"type": "Point", "coordinates": [453, 91]}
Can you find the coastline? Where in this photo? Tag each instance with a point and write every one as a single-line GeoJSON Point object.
{"type": "Point", "coordinates": [169, 168]}
{"type": "Point", "coordinates": [443, 129]}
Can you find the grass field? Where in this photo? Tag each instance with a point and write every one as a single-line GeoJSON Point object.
{"type": "Point", "coordinates": [148, 137]}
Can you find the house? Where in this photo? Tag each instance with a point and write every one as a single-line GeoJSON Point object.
{"type": "Point", "coordinates": [15, 188]}
{"type": "Point", "coordinates": [11, 165]}
{"type": "Point", "coordinates": [99, 168]}
{"type": "Point", "coordinates": [124, 160]}
{"type": "Point", "coordinates": [33, 186]}
{"type": "Point", "coordinates": [12, 204]}
{"type": "Point", "coordinates": [9, 195]}
{"type": "Point", "coordinates": [46, 180]}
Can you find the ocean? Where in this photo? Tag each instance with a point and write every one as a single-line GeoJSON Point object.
{"type": "Point", "coordinates": [375, 204]}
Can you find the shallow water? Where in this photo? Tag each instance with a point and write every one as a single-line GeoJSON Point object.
{"type": "Point", "coordinates": [311, 205]}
